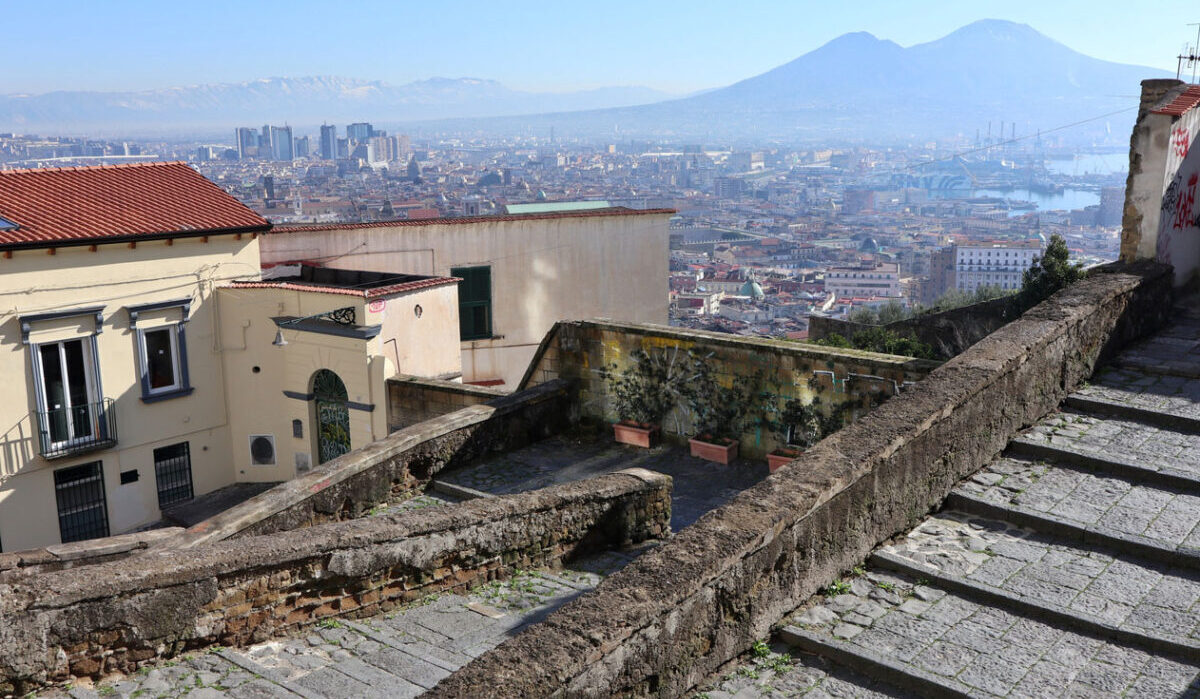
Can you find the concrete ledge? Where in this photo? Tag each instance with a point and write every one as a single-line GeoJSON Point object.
{"type": "Point", "coordinates": [863, 661]}
{"type": "Point", "coordinates": [678, 613]}
{"type": "Point", "coordinates": [1127, 469]}
{"type": "Point", "coordinates": [1185, 648]}
{"type": "Point", "coordinates": [1138, 546]}
{"type": "Point", "coordinates": [60, 556]}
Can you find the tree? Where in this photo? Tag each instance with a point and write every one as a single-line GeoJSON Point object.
{"type": "Point", "coordinates": [1050, 272]}
{"type": "Point", "coordinates": [891, 312]}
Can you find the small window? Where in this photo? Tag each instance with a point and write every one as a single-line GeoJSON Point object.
{"type": "Point", "coordinates": [82, 510]}
{"type": "Point", "coordinates": [173, 473]}
{"type": "Point", "coordinates": [163, 360]}
{"type": "Point", "coordinates": [474, 302]}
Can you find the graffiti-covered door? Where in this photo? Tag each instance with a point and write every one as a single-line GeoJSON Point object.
{"type": "Point", "coordinates": [333, 417]}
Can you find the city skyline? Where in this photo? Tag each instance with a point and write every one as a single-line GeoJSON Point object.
{"type": "Point", "coordinates": [665, 46]}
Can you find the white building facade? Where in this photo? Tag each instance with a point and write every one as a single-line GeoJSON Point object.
{"type": "Point", "coordinates": [1001, 265]}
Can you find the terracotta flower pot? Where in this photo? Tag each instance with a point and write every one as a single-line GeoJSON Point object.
{"type": "Point", "coordinates": [633, 434]}
{"type": "Point", "coordinates": [778, 458]}
{"type": "Point", "coordinates": [723, 452]}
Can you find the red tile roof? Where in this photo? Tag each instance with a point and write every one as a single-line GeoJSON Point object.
{"type": "Point", "coordinates": [615, 211]}
{"type": "Point", "coordinates": [1187, 99]}
{"type": "Point", "coordinates": [375, 293]}
{"type": "Point", "coordinates": [82, 205]}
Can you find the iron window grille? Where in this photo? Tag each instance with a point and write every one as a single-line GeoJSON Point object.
{"type": "Point", "coordinates": [82, 508]}
{"type": "Point", "coordinates": [173, 474]}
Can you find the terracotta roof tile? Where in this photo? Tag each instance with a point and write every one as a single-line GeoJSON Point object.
{"type": "Point", "coordinates": [615, 211]}
{"type": "Point", "coordinates": [89, 204]}
{"type": "Point", "coordinates": [374, 293]}
{"type": "Point", "coordinates": [1186, 100]}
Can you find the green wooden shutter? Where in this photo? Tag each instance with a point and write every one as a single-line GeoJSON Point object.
{"type": "Point", "coordinates": [474, 302]}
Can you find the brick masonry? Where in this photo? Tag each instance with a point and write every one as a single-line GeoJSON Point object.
{"type": "Point", "coordinates": [114, 616]}
{"type": "Point", "coordinates": [578, 351]}
{"type": "Point", "coordinates": [678, 613]}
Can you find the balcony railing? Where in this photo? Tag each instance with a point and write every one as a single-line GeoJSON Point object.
{"type": "Point", "coordinates": [77, 429]}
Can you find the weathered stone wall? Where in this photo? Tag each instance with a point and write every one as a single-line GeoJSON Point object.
{"type": "Point", "coordinates": [852, 380]}
{"type": "Point", "coordinates": [390, 468]}
{"type": "Point", "coordinates": [678, 613]}
{"type": "Point", "coordinates": [412, 399]}
{"type": "Point", "coordinates": [79, 553]}
{"type": "Point", "coordinates": [949, 333]}
{"type": "Point", "coordinates": [115, 616]}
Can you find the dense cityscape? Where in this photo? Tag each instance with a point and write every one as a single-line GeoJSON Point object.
{"type": "Point", "coordinates": [762, 239]}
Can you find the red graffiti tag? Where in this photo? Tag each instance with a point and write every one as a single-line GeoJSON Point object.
{"type": "Point", "coordinates": [1180, 141]}
{"type": "Point", "coordinates": [1183, 207]}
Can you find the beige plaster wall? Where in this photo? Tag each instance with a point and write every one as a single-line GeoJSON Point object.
{"type": "Point", "coordinates": [115, 276]}
{"type": "Point", "coordinates": [543, 270]}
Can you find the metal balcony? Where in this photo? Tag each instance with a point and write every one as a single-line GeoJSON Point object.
{"type": "Point", "coordinates": [77, 429]}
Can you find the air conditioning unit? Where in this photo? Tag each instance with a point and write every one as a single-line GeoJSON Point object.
{"type": "Point", "coordinates": [262, 449]}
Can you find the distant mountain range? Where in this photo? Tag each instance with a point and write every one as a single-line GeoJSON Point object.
{"type": "Point", "coordinates": [861, 88]}
{"type": "Point", "coordinates": [856, 87]}
{"type": "Point", "coordinates": [303, 100]}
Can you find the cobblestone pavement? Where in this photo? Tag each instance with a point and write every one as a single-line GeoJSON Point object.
{"type": "Point", "coordinates": [1149, 447]}
{"type": "Point", "coordinates": [1095, 594]}
{"type": "Point", "coordinates": [778, 671]}
{"type": "Point", "coordinates": [699, 486]}
{"type": "Point", "coordinates": [400, 654]}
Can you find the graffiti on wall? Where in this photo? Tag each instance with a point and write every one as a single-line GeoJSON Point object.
{"type": "Point", "coordinates": [1178, 241]}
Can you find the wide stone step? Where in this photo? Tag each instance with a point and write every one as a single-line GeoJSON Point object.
{"type": "Point", "coordinates": [1089, 589]}
{"type": "Point", "coordinates": [1172, 402]}
{"type": "Point", "coordinates": [1173, 351]}
{"type": "Point", "coordinates": [1153, 455]}
{"type": "Point", "coordinates": [1089, 504]}
{"type": "Point", "coordinates": [953, 645]}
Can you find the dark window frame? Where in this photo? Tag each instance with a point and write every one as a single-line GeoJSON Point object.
{"type": "Point", "coordinates": [474, 295]}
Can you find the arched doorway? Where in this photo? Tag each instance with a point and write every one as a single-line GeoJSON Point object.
{"type": "Point", "coordinates": [333, 417]}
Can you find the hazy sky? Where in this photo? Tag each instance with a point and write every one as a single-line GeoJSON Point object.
{"type": "Point", "coordinates": [554, 46]}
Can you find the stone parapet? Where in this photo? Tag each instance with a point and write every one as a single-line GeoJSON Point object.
{"type": "Point", "coordinates": [680, 612]}
{"type": "Point", "coordinates": [390, 468]}
{"type": "Point", "coordinates": [413, 399]}
{"type": "Point", "coordinates": [112, 617]}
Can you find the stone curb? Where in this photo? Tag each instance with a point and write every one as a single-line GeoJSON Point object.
{"type": "Point", "coordinates": [1180, 369]}
{"type": "Point", "coordinates": [1038, 611]}
{"type": "Point", "coordinates": [458, 491]}
{"type": "Point", "coordinates": [1122, 468]}
{"type": "Point", "coordinates": [1112, 408]}
{"type": "Point", "coordinates": [1049, 524]}
{"type": "Point", "coordinates": [861, 660]}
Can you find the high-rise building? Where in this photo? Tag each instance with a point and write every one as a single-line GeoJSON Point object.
{"type": "Point", "coordinates": [329, 139]}
{"type": "Point", "coordinates": [1112, 206]}
{"type": "Point", "coordinates": [247, 142]}
{"type": "Point", "coordinates": [278, 142]}
{"type": "Point", "coordinates": [385, 148]}
{"type": "Point", "coordinates": [941, 274]}
{"type": "Point", "coordinates": [300, 147]}
{"type": "Point", "coordinates": [359, 133]}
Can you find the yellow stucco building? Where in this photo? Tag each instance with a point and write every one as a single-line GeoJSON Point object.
{"type": "Point", "coordinates": [145, 361]}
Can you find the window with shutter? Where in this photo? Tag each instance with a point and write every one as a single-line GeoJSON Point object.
{"type": "Point", "coordinates": [474, 302]}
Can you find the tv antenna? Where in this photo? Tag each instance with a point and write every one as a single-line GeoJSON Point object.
{"type": "Point", "coordinates": [1189, 57]}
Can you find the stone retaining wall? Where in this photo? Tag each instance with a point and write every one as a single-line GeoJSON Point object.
{"type": "Point", "coordinates": [678, 613]}
{"type": "Point", "coordinates": [949, 333]}
{"type": "Point", "coordinates": [110, 617]}
{"type": "Point", "coordinates": [390, 468]}
{"type": "Point", "coordinates": [412, 399]}
{"type": "Point", "coordinates": [79, 553]}
{"type": "Point", "coordinates": [853, 380]}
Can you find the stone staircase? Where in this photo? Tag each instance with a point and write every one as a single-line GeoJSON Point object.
{"type": "Point", "coordinates": [1068, 567]}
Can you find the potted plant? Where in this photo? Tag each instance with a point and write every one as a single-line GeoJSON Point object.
{"type": "Point", "coordinates": [800, 426]}
{"type": "Point", "coordinates": [797, 428]}
{"type": "Point", "coordinates": [642, 395]}
{"type": "Point", "coordinates": [718, 412]}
